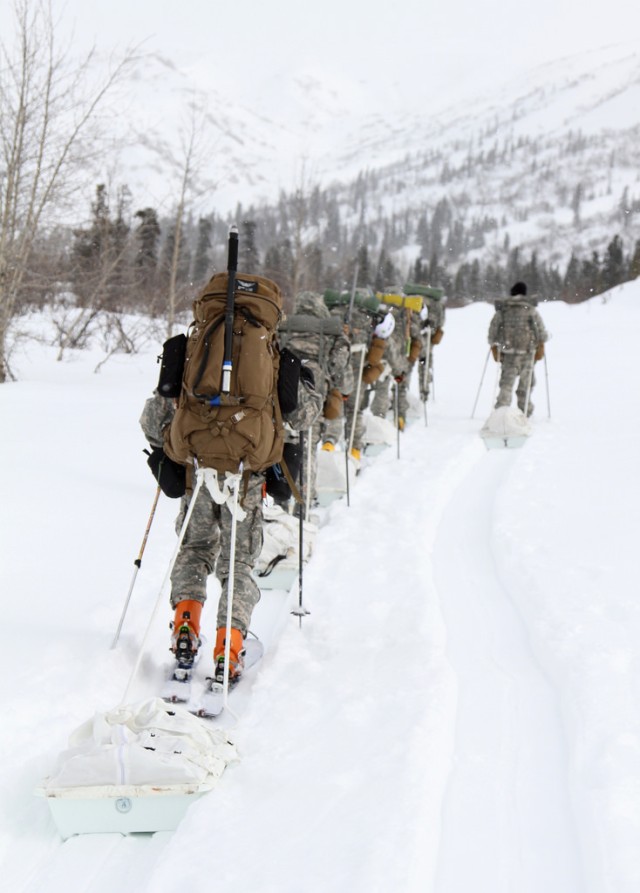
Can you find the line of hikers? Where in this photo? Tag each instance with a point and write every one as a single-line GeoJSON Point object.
{"type": "Point", "coordinates": [315, 371]}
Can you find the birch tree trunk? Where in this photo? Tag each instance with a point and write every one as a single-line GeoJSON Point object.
{"type": "Point", "coordinates": [47, 102]}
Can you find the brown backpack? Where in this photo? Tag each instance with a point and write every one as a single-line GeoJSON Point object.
{"type": "Point", "coordinates": [244, 426]}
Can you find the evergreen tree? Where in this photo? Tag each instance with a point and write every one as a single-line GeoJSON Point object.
{"type": "Point", "coordinates": [474, 284]}
{"type": "Point", "coordinates": [571, 290]}
{"type": "Point", "coordinates": [365, 274]}
{"type": "Point", "coordinates": [533, 276]}
{"type": "Point", "coordinates": [590, 274]}
{"type": "Point", "coordinates": [514, 266]}
{"type": "Point", "coordinates": [614, 268]}
{"type": "Point", "coordinates": [99, 255]}
{"type": "Point", "coordinates": [422, 234]}
{"type": "Point", "coordinates": [494, 281]}
{"type": "Point", "coordinates": [146, 257]}
{"type": "Point", "coordinates": [386, 274]}
{"type": "Point", "coordinates": [461, 288]}
{"type": "Point", "coordinates": [249, 259]}
{"type": "Point", "coordinates": [634, 263]}
{"type": "Point", "coordinates": [419, 272]}
{"type": "Point", "coordinates": [576, 205]}
{"type": "Point", "coordinates": [202, 261]}
{"type": "Point", "coordinates": [273, 263]}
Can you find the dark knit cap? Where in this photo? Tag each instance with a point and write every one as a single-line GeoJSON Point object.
{"type": "Point", "coordinates": [518, 289]}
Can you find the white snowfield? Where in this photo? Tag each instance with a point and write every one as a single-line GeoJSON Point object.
{"type": "Point", "coordinates": [460, 711]}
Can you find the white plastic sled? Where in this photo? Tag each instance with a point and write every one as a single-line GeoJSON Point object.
{"type": "Point", "coordinates": [136, 768]}
{"type": "Point", "coordinates": [379, 434]}
{"type": "Point", "coordinates": [331, 477]}
{"type": "Point", "coordinates": [278, 565]}
{"type": "Point", "coordinates": [506, 428]}
{"type": "Point", "coordinates": [122, 809]}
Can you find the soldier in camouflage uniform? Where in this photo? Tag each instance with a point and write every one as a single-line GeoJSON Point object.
{"type": "Point", "coordinates": [434, 324]}
{"type": "Point", "coordinates": [206, 545]}
{"type": "Point", "coordinates": [327, 354]}
{"type": "Point", "coordinates": [405, 345]}
{"type": "Point", "coordinates": [364, 329]}
{"type": "Point", "coordinates": [517, 336]}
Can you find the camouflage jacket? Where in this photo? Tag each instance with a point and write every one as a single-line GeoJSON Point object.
{"type": "Point", "coordinates": [516, 327]}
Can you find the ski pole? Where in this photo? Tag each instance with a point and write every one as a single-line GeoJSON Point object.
{"type": "Point", "coordinates": [308, 489]}
{"type": "Point", "coordinates": [480, 385]}
{"type": "Point", "coordinates": [425, 378]}
{"type": "Point", "coordinates": [300, 611]}
{"type": "Point", "coordinates": [346, 474]}
{"type": "Point", "coordinates": [230, 588]}
{"type": "Point", "coordinates": [137, 563]}
{"type": "Point", "coordinates": [183, 530]}
{"type": "Point", "coordinates": [361, 349]}
{"type": "Point", "coordinates": [353, 293]}
{"type": "Point", "coordinates": [396, 401]}
{"type": "Point", "coordinates": [546, 376]}
{"type": "Point", "coordinates": [529, 382]}
{"type": "Point", "coordinates": [232, 267]}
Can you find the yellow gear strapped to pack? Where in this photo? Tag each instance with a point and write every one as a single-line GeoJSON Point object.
{"type": "Point", "coordinates": [411, 302]}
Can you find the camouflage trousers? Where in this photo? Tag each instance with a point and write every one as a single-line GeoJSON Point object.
{"type": "Point", "coordinates": [335, 429]}
{"type": "Point", "coordinates": [520, 366]}
{"type": "Point", "coordinates": [426, 375]}
{"type": "Point", "coordinates": [206, 548]}
{"type": "Point", "coordinates": [384, 396]}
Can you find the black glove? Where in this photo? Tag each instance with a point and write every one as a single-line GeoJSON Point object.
{"type": "Point", "coordinates": [171, 477]}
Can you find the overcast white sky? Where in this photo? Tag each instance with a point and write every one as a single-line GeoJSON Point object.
{"type": "Point", "coordinates": [371, 56]}
{"type": "Point", "coordinates": [400, 51]}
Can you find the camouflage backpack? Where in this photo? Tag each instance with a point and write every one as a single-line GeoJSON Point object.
{"type": "Point", "coordinates": [517, 331]}
{"type": "Point", "coordinates": [311, 331]}
{"type": "Point", "coordinates": [222, 430]}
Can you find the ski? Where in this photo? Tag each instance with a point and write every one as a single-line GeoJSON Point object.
{"type": "Point", "coordinates": [211, 701]}
{"type": "Point", "coordinates": [177, 685]}
{"type": "Point", "coordinates": [177, 688]}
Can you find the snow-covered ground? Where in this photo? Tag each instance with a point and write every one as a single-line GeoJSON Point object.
{"type": "Point", "coordinates": [459, 711]}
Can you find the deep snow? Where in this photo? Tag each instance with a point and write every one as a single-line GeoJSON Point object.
{"type": "Point", "coordinates": [460, 709]}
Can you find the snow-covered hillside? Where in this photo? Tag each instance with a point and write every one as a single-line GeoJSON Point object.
{"type": "Point", "coordinates": [547, 161]}
{"type": "Point", "coordinates": [458, 712]}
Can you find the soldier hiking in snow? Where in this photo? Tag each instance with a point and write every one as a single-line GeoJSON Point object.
{"type": "Point", "coordinates": [319, 340]}
{"type": "Point", "coordinates": [405, 345]}
{"type": "Point", "coordinates": [432, 333]}
{"type": "Point", "coordinates": [370, 329]}
{"type": "Point", "coordinates": [517, 336]}
{"type": "Point", "coordinates": [198, 431]}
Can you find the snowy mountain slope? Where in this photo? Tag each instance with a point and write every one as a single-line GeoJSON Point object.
{"type": "Point", "coordinates": [547, 156]}
{"type": "Point", "coordinates": [461, 703]}
{"type": "Point", "coordinates": [542, 163]}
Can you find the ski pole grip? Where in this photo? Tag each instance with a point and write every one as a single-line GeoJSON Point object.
{"type": "Point", "coordinates": [232, 261]}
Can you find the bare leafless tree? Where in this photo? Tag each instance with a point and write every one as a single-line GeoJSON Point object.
{"type": "Point", "coordinates": [185, 160]}
{"type": "Point", "coordinates": [48, 102]}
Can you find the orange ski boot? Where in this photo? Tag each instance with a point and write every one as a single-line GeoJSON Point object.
{"type": "Point", "coordinates": [186, 631]}
{"type": "Point", "coordinates": [236, 654]}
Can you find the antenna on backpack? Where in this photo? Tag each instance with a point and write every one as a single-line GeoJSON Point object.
{"type": "Point", "coordinates": [232, 268]}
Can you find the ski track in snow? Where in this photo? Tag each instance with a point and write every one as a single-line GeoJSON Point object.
{"type": "Point", "coordinates": [507, 805]}
{"type": "Point", "coordinates": [457, 713]}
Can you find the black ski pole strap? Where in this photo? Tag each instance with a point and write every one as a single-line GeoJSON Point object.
{"type": "Point", "coordinates": [272, 564]}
